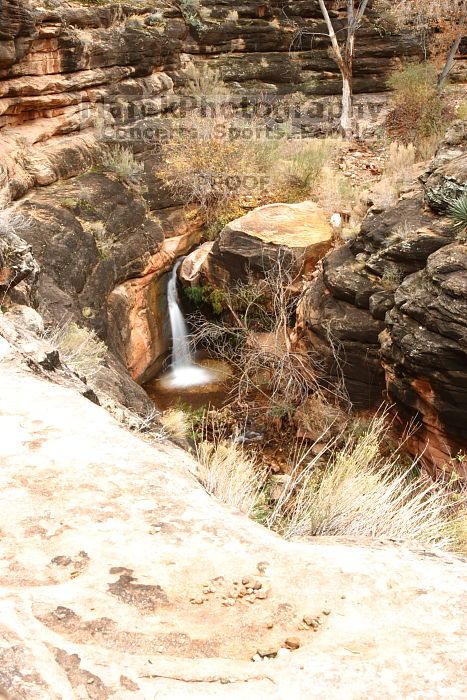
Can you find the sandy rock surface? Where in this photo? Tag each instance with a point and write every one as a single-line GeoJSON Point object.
{"type": "Point", "coordinates": [117, 579]}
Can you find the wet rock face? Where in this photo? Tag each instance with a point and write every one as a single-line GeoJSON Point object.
{"type": "Point", "coordinates": [389, 311]}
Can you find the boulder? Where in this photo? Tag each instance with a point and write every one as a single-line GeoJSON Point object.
{"type": "Point", "coordinates": [191, 269]}
{"type": "Point", "coordinates": [293, 235]}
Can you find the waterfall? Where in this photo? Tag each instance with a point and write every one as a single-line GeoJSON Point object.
{"type": "Point", "coordinates": [181, 356]}
{"type": "Point", "coordinates": [183, 370]}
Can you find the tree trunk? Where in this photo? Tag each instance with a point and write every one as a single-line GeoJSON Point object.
{"type": "Point", "coordinates": [346, 114]}
{"type": "Point", "coordinates": [449, 62]}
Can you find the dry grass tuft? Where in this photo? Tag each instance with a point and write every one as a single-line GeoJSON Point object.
{"type": "Point", "coordinates": [361, 493]}
{"type": "Point", "coordinates": [229, 473]}
{"type": "Point", "coordinates": [398, 172]}
{"type": "Point", "coordinates": [175, 423]}
{"type": "Point", "coordinates": [79, 348]}
{"type": "Point", "coordinates": [121, 161]}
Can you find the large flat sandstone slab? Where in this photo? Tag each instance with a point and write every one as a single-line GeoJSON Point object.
{"type": "Point", "coordinates": [293, 237]}
{"type": "Point", "coordinates": [106, 539]}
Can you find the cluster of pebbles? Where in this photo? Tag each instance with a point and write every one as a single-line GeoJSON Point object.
{"type": "Point", "coordinates": [309, 622]}
{"type": "Point", "coordinates": [249, 590]}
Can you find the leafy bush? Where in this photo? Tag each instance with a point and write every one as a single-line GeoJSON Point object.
{"type": "Point", "coordinates": [458, 214]}
{"type": "Point", "coordinates": [190, 10]}
{"type": "Point", "coordinates": [212, 296]}
{"type": "Point", "coordinates": [419, 113]}
{"type": "Point", "coordinates": [226, 161]}
{"type": "Point", "coordinates": [210, 161]}
{"type": "Point", "coordinates": [121, 161]}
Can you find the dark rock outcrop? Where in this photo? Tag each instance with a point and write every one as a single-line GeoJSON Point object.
{"type": "Point", "coordinates": [389, 310]}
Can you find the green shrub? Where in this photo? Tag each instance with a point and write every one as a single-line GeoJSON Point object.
{"type": "Point", "coordinates": [212, 296]}
{"type": "Point", "coordinates": [419, 114]}
{"type": "Point", "coordinates": [190, 10]}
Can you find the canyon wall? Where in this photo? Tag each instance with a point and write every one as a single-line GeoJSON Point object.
{"type": "Point", "coordinates": [77, 76]}
{"type": "Point", "coordinates": [389, 309]}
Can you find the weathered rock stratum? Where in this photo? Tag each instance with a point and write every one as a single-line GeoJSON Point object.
{"type": "Point", "coordinates": [389, 309]}
{"type": "Point", "coordinates": [118, 587]}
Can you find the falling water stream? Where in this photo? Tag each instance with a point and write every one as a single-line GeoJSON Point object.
{"type": "Point", "coordinates": [183, 372]}
{"type": "Point", "coordinates": [191, 379]}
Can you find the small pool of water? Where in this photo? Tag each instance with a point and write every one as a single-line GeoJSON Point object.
{"type": "Point", "coordinates": [206, 383]}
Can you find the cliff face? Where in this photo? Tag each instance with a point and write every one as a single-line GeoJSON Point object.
{"type": "Point", "coordinates": [73, 76]}
{"type": "Point", "coordinates": [58, 65]}
{"type": "Point", "coordinates": [389, 309]}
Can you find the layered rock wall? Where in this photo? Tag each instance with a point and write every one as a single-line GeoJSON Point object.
{"type": "Point", "coordinates": [74, 77]}
{"type": "Point", "coordinates": [389, 309]}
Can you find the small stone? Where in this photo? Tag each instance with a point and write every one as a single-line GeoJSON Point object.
{"type": "Point", "coordinates": [262, 566]}
{"type": "Point", "coordinates": [269, 625]}
{"type": "Point", "coordinates": [326, 612]}
{"type": "Point", "coordinates": [245, 580]}
{"type": "Point", "coordinates": [292, 643]}
{"type": "Point", "coordinates": [313, 622]}
{"type": "Point", "coordinates": [262, 595]}
{"type": "Point", "coordinates": [283, 652]}
{"type": "Point", "coordinates": [302, 626]}
{"type": "Point", "coordinates": [90, 681]}
{"type": "Point", "coordinates": [256, 657]}
{"type": "Point", "coordinates": [249, 591]}
{"type": "Point", "coordinates": [256, 585]}
{"type": "Point", "coordinates": [267, 651]}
